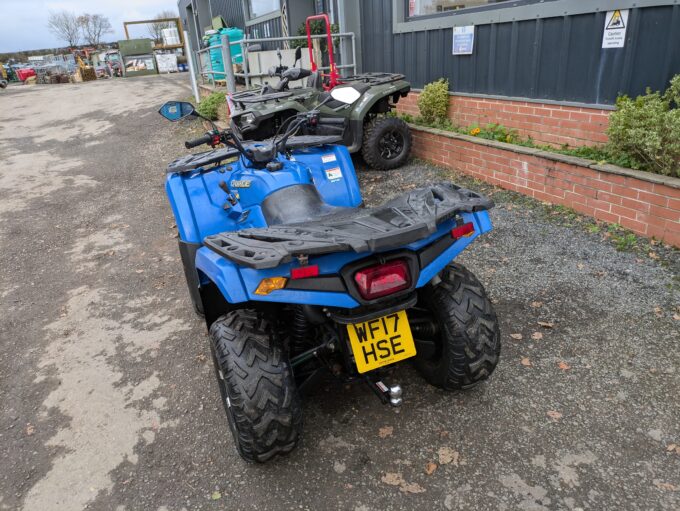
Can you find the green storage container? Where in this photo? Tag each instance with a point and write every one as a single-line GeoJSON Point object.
{"type": "Point", "coordinates": [135, 47]}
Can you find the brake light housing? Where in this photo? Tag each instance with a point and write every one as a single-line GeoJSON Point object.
{"type": "Point", "coordinates": [383, 279]}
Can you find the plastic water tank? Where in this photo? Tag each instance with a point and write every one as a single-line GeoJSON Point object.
{"type": "Point", "coordinates": [234, 35]}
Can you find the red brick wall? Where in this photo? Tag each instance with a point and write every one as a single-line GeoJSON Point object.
{"type": "Point", "coordinates": [647, 208]}
{"type": "Point", "coordinates": [546, 124]}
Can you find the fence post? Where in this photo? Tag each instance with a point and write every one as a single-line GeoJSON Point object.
{"type": "Point", "coordinates": [190, 63]}
{"type": "Point", "coordinates": [354, 54]}
{"type": "Point", "coordinates": [228, 68]}
{"type": "Point", "coordinates": [244, 52]}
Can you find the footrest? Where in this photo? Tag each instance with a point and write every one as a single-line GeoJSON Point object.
{"type": "Point", "coordinates": [408, 218]}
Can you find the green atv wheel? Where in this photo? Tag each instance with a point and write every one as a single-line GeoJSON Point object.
{"type": "Point", "coordinates": [467, 344]}
{"type": "Point", "coordinates": [257, 385]}
{"type": "Point", "coordinates": [386, 143]}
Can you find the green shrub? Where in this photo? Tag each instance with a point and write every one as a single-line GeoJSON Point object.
{"type": "Point", "coordinates": [208, 107]}
{"type": "Point", "coordinates": [646, 130]}
{"type": "Point", "coordinates": [433, 102]}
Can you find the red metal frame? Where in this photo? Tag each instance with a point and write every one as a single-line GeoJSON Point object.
{"type": "Point", "coordinates": [333, 76]}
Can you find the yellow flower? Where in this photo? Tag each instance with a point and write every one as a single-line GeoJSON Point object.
{"type": "Point", "coordinates": [475, 131]}
{"type": "Point", "coordinates": [508, 138]}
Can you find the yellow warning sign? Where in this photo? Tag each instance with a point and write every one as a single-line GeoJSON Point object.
{"type": "Point", "coordinates": [615, 29]}
{"type": "Point", "coordinates": [616, 21]}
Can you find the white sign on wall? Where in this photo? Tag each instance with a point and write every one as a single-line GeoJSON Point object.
{"type": "Point", "coordinates": [463, 40]}
{"type": "Point", "coordinates": [615, 24]}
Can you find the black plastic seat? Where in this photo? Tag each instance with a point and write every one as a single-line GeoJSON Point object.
{"type": "Point", "coordinates": [295, 204]}
{"type": "Point", "coordinates": [315, 80]}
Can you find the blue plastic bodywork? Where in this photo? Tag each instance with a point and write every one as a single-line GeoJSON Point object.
{"type": "Point", "coordinates": [197, 202]}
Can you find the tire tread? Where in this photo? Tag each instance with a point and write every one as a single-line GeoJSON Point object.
{"type": "Point", "coordinates": [265, 408]}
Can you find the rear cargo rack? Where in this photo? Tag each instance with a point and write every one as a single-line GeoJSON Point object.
{"type": "Point", "coordinates": [408, 218]}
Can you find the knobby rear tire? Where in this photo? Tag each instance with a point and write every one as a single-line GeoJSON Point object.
{"type": "Point", "coordinates": [469, 342]}
{"type": "Point", "coordinates": [257, 385]}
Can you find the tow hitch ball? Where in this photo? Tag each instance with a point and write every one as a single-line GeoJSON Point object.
{"type": "Point", "coordinates": [388, 394]}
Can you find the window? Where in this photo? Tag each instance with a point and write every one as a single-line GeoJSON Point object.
{"type": "Point", "coordinates": [258, 8]}
{"type": "Point", "coordinates": [429, 7]}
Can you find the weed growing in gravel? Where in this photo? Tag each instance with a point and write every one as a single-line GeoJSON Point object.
{"type": "Point", "coordinates": [209, 106]}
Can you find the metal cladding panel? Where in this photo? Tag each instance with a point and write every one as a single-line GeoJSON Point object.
{"type": "Point", "coordinates": [230, 10]}
{"type": "Point", "coordinates": [270, 28]}
{"type": "Point", "coordinates": [557, 58]}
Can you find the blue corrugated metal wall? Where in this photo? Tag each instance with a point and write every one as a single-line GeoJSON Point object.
{"type": "Point", "coordinates": [552, 58]}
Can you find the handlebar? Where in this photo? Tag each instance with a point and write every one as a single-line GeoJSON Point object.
{"type": "Point", "coordinates": [205, 139]}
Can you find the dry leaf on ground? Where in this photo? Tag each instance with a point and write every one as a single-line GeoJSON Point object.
{"type": "Point", "coordinates": [537, 336]}
{"type": "Point", "coordinates": [525, 362]}
{"type": "Point", "coordinates": [430, 468]}
{"type": "Point", "coordinates": [448, 455]}
{"type": "Point", "coordinates": [673, 448]}
{"type": "Point", "coordinates": [411, 488]}
{"type": "Point", "coordinates": [554, 415]}
{"type": "Point", "coordinates": [517, 337]}
{"type": "Point", "coordinates": [658, 311]}
{"type": "Point", "coordinates": [546, 324]}
{"type": "Point", "coordinates": [665, 486]}
{"type": "Point", "coordinates": [385, 431]}
{"type": "Point", "coordinates": [30, 429]}
{"type": "Point", "coordinates": [392, 478]}
{"type": "Point", "coordinates": [563, 365]}
{"type": "Point", "coordinates": [396, 479]}
{"type": "Point", "coordinates": [536, 304]}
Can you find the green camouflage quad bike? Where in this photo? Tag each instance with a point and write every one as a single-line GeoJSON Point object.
{"type": "Point", "coordinates": [384, 141]}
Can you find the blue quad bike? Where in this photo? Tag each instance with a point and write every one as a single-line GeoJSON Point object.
{"type": "Point", "coordinates": [297, 281]}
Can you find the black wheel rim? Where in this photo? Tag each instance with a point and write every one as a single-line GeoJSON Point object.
{"type": "Point", "coordinates": [391, 144]}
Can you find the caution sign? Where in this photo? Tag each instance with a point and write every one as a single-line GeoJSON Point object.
{"type": "Point", "coordinates": [615, 23]}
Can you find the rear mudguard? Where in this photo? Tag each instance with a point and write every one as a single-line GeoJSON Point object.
{"type": "Point", "coordinates": [238, 284]}
{"type": "Point", "coordinates": [393, 91]}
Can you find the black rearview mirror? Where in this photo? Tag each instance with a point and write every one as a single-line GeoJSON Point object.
{"type": "Point", "coordinates": [177, 110]}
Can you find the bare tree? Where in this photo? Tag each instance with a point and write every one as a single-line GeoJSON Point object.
{"type": "Point", "coordinates": [156, 28]}
{"type": "Point", "coordinates": [94, 27]}
{"type": "Point", "coordinates": [65, 26]}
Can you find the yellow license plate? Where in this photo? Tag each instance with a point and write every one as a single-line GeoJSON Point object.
{"type": "Point", "coordinates": [381, 341]}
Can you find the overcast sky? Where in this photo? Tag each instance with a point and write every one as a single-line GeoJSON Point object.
{"type": "Point", "coordinates": [23, 23]}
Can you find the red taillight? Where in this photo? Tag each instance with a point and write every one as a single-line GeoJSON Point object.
{"type": "Point", "coordinates": [382, 280]}
{"type": "Point", "coordinates": [304, 272]}
{"type": "Point", "coordinates": [463, 230]}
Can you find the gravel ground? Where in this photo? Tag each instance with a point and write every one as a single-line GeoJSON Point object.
{"type": "Point", "coordinates": [107, 394]}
